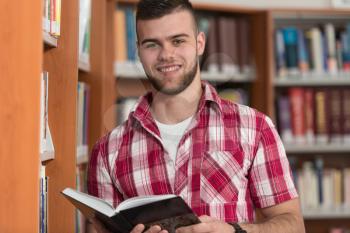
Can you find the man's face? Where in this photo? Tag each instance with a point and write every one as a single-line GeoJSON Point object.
{"type": "Point", "coordinates": [168, 49]}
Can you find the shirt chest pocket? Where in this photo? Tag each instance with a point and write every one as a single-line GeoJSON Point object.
{"type": "Point", "coordinates": [221, 176]}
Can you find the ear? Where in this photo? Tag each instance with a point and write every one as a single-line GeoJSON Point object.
{"type": "Point", "coordinates": [200, 43]}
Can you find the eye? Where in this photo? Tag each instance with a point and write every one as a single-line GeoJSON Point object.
{"type": "Point", "coordinates": [178, 42]}
{"type": "Point", "coordinates": [150, 45]}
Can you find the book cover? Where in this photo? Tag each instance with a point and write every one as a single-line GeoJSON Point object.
{"type": "Point", "coordinates": [171, 211]}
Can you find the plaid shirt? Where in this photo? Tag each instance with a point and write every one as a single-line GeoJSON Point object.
{"type": "Point", "coordinates": [229, 161]}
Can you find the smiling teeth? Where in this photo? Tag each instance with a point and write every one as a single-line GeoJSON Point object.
{"type": "Point", "coordinates": [169, 69]}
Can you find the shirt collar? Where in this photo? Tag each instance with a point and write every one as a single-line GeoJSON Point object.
{"type": "Point", "coordinates": [142, 110]}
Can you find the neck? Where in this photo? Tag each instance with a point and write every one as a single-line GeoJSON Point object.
{"type": "Point", "coordinates": [172, 109]}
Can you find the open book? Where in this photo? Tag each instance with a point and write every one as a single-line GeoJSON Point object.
{"type": "Point", "coordinates": [168, 211]}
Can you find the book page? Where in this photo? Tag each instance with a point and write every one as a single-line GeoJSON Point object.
{"type": "Point", "coordinates": [90, 201]}
{"type": "Point", "coordinates": [142, 200]}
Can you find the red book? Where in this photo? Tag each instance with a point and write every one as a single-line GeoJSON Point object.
{"type": "Point", "coordinates": [309, 115]}
{"type": "Point", "coordinates": [296, 96]}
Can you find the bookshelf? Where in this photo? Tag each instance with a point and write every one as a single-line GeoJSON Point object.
{"type": "Point", "coordinates": [335, 155]}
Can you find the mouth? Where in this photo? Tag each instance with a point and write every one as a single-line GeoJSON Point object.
{"type": "Point", "coordinates": [169, 68]}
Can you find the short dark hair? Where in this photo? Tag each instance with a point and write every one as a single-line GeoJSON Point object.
{"type": "Point", "coordinates": [154, 9]}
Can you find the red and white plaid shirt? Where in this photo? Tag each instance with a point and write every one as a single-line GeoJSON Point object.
{"type": "Point", "coordinates": [229, 161]}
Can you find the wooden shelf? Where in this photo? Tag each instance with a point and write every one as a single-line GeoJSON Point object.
{"type": "Point", "coordinates": [130, 70]}
{"type": "Point", "coordinates": [342, 79]}
{"type": "Point", "coordinates": [49, 40]}
{"type": "Point", "coordinates": [321, 213]}
{"type": "Point", "coordinates": [82, 154]}
{"type": "Point", "coordinates": [317, 148]}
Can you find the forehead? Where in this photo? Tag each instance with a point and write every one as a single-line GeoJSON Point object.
{"type": "Point", "coordinates": [174, 23]}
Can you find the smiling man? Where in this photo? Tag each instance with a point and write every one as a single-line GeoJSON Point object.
{"type": "Point", "coordinates": [225, 160]}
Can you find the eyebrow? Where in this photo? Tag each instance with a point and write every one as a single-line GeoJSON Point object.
{"type": "Point", "coordinates": [168, 38]}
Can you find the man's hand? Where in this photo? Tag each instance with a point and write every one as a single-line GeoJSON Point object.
{"type": "Point", "coordinates": [207, 225]}
{"type": "Point", "coordinates": [99, 227]}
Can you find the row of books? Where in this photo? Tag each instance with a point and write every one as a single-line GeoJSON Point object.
{"type": "Point", "coordinates": [314, 115]}
{"type": "Point", "coordinates": [43, 201]}
{"type": "Point", "coordinates": [52, 17]}
{"type": "Point", "coordinates": [84, 30]}
{"type": "Point", "coordinates": [227, 50]}
{"type": "Point", "coordinates": [322, 188]}
{"type": "Point", "coordinates": [316, 50]}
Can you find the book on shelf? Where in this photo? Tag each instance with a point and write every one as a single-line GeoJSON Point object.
{"type": "Point", "coordinates": [52, 17]}
{"type": "Point", "coordinates": [43, 200]}
{"type": "Point", "coordinates": [47, 150]}
{"type": "Point", "coordinates": [82, 115]}
{"type": "Point", "coordinates": [171, 211]}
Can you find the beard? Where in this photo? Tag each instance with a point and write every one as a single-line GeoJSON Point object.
{"type": "Point", "coordinates": [186, 79]}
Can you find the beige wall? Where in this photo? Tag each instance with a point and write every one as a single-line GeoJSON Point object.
{"type": "Point", "coordinates": [273, 3]}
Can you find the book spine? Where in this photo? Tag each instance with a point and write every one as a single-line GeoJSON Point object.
{"type": "Point", "coordinates": [280, 54]}
{"type": "Point", "coordinates": [335, 116]}
{"type": "Point", "coordinates": [290, 36]}
{"type": "Point", "coordinates": [131, 34]}
{"type": "Point", "coordinates": [309, 116]}
{"type": "Point", "coordinates": [303, 56]}
{"type": "Point", "coordinates": [346, 115]}
{"type": "Point", "coordinates": [331, 48]}
{"type": "Point", "coordinates": [317, 53]}
{"type": "Point", "coordinates": [296, 96]}
{"type": "Point", "coordinates": [285, 119]}
{"type": "Point", "coordinates": [321, 116]}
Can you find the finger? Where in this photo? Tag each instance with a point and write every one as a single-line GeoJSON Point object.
{"type": "Point", "coordinates": [154, 229]}
{"type": "Point", "coordinates": [138, 228]}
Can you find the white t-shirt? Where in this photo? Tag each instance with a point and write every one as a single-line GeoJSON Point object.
{"type": "Point", "coordinates": [172, 134]}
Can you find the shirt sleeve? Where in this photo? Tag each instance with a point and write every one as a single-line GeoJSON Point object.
{"type": "Point", "coordinates": [99, 180]}
{"type": "Point", "coordinates": [270, 177]}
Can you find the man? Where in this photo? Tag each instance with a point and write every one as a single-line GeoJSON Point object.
{"type": "Point", "coordinates": [226, 160]}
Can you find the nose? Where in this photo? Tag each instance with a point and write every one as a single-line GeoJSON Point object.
{"type": "Point", "coordinates": [166, 53]}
